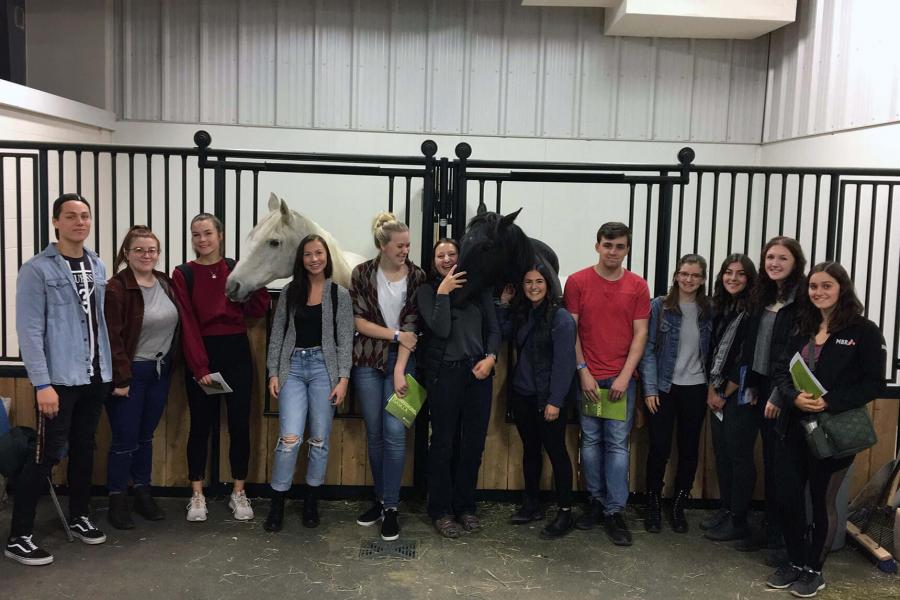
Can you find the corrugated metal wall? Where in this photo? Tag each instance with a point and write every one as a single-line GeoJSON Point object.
{"type": "Point", "coordinates": [837, 67]}
{"type": "Point", "coordinates": [479, 67]}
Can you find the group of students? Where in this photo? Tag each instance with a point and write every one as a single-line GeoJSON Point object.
{"type": "Point", "coordinates": [727, 352]}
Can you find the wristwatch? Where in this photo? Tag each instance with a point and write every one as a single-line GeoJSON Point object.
{"type": "Point", "coordinates": [580, 366]}
{"type": "Point", "coordinates": [397, 336]}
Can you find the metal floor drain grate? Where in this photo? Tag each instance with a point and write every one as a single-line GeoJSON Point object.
{"type": "Point", "coordinates": [375, 549]}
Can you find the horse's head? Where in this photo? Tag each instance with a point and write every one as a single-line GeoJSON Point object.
{"type": "Point", "coordinates": [494, 251]}
{"type": "Point", "coordinates": [273, 247]}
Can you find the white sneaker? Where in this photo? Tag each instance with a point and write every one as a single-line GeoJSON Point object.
{"type": "Point", "coordinates": [196, 509]}
{"type": "Point", "coordinates": [240, 505]}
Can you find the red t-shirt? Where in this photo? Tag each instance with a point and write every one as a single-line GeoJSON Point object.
{"type": "Point", "coordinates": [606, 312]}
{"type": "Point", "coordinates": [209, 312]}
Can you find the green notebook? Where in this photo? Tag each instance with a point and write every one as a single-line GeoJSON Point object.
{"type": "Point", "coordinates": [408, 407]}
{"type": "Point", "coordinates": [603, 407]}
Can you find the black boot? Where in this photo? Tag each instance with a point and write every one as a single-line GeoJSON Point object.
{"type": "Point", "coordinates": [275, 520]}
{"type": "Point", "coordinates": [679, 521]}
{"type": "Point", "coordinates": [311, 507]}
{"type": "Point", "coordinates": [119, 515]}
{"type": "Point", "coordinates": [591, 516]}
{"type": "Point", "coordinates": [653, 520]}
{"type": "Point", "coordinates": [560, 526]}
{"type": "Point", "coordinates": [145, 505]}
{"type": "Point", "coordinates": [529, 511]}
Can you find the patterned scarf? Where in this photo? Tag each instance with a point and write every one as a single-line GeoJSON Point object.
{"type": "Point", "coordinates": [716, 376]}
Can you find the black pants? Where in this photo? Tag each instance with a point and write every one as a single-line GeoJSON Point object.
{"type": "Point", "coordinates": [229, 355]}
{"type": "Point", "coordinates": [735, 466]}
{"type": "Point", "coordinates": [75, 425]}
{"type": "Point", "coordinates": [686, 406]}
{"type": "Point", "coordinates": [795, 467]}
{"type": "Point", "coordinates": [535, 432]}
{"type": "Point", "coordinates": [460, 405]}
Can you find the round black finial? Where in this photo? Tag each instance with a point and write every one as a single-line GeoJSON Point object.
{"type": "Point", "coordinates": [202, 139]}
{"type": "Point", "coordinates": [429, 148]}
{"type": "Point", "coordinates": [686, 155]}
{"type": "Point", "coordinates": [463, 150]}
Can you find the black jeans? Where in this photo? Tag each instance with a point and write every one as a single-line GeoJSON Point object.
{"type": "Point", "coordinates": [460, 407]}
{"type": "Point", "coordinates": [230, 355]}
{"type": "Point", "coordinates": [735, 465]}
{"type": "Point", "coordinates": [535, 432]}
{"type": "Point", "coordinates": [686, 405]}
{"type": "Point", "coordinates": [766, 428]}
{"type": "Point", "coordinates": [74, 426]}
{"type": "Point", "coordinates": [795, 467]}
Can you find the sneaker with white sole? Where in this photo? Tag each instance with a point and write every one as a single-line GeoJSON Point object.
{"type": "Point", "coordinates": [21, 549]}
{"type": "Point", "coordinates": [82, 528]}
{"type": "Point", "coordinates": [196, 509]}
{"type": "Point", "coordinates": [240, 506]}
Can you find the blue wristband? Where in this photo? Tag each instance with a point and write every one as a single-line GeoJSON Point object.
{"type": "Point", "coordinates": [41, 387]}
{"type": "Point", "coordinates": [580, 366]}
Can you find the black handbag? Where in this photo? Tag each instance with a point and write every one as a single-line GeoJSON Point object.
{"type": "Point", "coordinates": [837, 435]}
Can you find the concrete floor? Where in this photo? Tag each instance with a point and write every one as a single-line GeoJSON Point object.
{"type": "Point", "coordinates": [223, 558]}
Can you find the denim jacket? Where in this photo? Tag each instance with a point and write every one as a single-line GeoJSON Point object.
{"type": "Point", "coordinates": [50, 323]}
{"type": "Point", "coordinates": [658, 363]}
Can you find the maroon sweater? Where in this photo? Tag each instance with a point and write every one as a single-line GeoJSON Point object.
{"type": "Point", "coordinates": [207, 312]}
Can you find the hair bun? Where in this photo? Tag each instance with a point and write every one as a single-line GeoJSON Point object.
{"type": "Point", "coordinates": [382, 219]}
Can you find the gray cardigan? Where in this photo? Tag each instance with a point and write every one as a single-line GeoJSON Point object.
{"type": "Point", "coordinates": [281, 341]}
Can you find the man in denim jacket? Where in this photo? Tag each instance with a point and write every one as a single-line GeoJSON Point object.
{"type": "Point", "coordinates": [65, 348]}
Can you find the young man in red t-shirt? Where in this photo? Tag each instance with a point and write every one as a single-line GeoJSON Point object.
{"type": "Point", "coordinates": [611, 306]}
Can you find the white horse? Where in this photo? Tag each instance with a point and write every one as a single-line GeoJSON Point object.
{"type": "Point", "coordinates": [274, 243]}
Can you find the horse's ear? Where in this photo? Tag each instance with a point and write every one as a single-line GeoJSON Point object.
{"type": "Point", "coordinates": [286, 215]}
{"type": "Point", "coordinates": [507, 220]}
{"type": "Point", "coordinates": [274, 202]}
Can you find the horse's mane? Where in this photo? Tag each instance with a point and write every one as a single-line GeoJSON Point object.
{"type": "Point", "coordinates": [488, 219]}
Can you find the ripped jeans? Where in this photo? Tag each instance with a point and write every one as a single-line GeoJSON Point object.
{"type": "Point", "coordinates": [304, 393]}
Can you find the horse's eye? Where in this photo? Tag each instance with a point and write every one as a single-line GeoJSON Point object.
{"type": "Point", "coordinates": [274, 243]}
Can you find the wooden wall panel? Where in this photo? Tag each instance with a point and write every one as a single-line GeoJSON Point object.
{"type": "Point", "coordinates": [348, 461]}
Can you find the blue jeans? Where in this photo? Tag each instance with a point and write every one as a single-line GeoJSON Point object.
{"type": "Point", "coordinates": [304, 393]}
{"type": "Point", "coordinates": [605, 454]}
{"type": "Point", "coordinates": [133, 419]}
{"type": "Point", "coordinates": [385, 433]}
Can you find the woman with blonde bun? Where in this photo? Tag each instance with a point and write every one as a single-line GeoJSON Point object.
{"type": "Point", "coordinates": [383, 291]}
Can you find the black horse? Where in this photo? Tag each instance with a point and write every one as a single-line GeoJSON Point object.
{"type": "Point", "coordinates": [495, 251]}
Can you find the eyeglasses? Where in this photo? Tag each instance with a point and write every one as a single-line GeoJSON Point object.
{"type": "Point", "coordinates": [147, 251]}
{"type": "Point", "coordinates": [691, 276]}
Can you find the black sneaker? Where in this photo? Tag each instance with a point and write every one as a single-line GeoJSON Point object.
{"type": "Point", "coordinates": [82, 528]}
{"type": "Point", "coordinates": [727, 532]}
{"type": "Point", "coordinates": [591, 516]}
{"type": "Point", "coordinates": [617, 529]}
{"type": "Point", "coordinates": [715, 520]}
{"type": "Point", "coordinates": [784, 577]}
{"type": "Point", "coordinates": [808, 585]}
{"type": "Point", "coordinates": [390, 525]}
{"type": "Point", "coordinates": [22, 549]}
{"type": "Point", "coordinates": [371, 516]}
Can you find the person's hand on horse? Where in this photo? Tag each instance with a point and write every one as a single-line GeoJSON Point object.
{"type": "Point", "coordinates": [452, 281]}
{"type": "Point", "coordinates": [339, 392]}
{"type": "Point", "coordinates": [588, 383]}
{"type": "Point", "coordinates": [551, 413]}
{"type": "Point", "coordinates": [619, 387]}
{"type": "Point", "coordinates": [400, 385]}
{"type": "Point", "coordinates": [771, 411]}
{"type": "Point", "coordinates": [508, 293]}
{"type": "Point", "coordinates": [483, 368]}
{"type": "Point", "coordinates": [121, 392]}
{"type": "Point", "coordinates": [408, 340]}
{"type": "Point", "coordinates": [273, 386]}
{"type": "Point", "coordinates": [809, 403]}
{"type": "Point", "coordinates": [652, 403]}
{"type": "Point", "coordinates": [48, 402]}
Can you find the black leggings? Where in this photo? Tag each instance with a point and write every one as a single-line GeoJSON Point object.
{"type": "Point", "coordinates": [795, 467]}
{"type": "Point", "coordinates": [229, 355]}
{"type": "Point", "coordinates": [686, 405]}
{"type": "Point", "coordinates": [536, 432]}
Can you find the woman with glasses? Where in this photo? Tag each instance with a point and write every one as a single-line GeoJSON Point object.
{"type": "Point", "coordinates": [673, 372]}
{"type": "Point", "coordinates": [142, 320]}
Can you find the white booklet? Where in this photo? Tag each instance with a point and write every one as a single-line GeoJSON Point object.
{"type": "Point", "coordinates": [217, 386]}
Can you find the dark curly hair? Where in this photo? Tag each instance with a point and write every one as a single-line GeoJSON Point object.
{"type": "Point", "coordinates": [724, 302]}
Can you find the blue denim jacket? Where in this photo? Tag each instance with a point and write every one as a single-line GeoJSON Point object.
{"type": "Point", "coordinates": [50, 323]}
{"type": "Point", "coordinates": [658, 363]}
